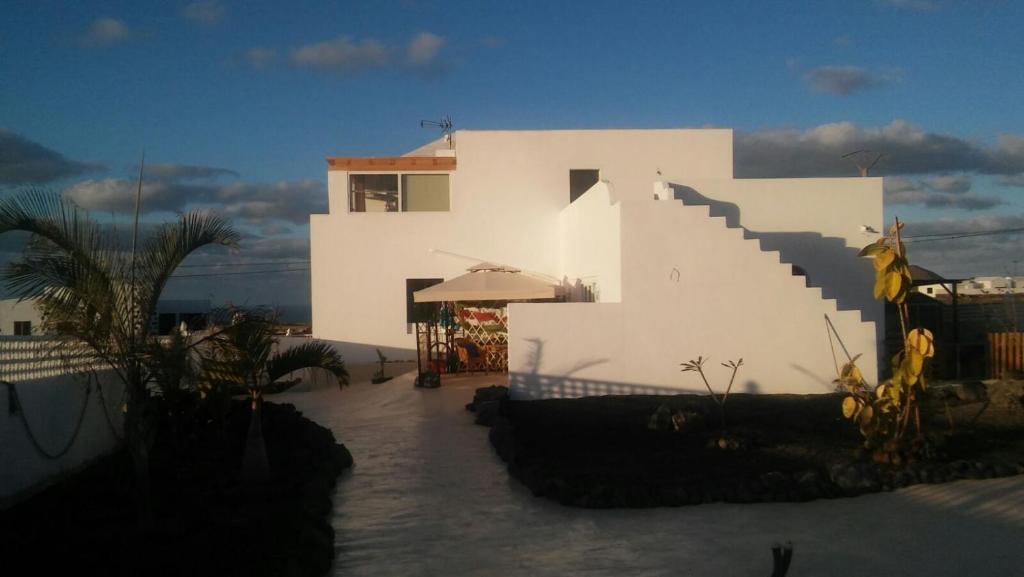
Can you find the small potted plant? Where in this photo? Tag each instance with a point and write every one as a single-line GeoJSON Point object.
{"type": "Point", "coordinates": [379, 376]}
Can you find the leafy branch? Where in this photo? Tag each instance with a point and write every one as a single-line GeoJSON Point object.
{"type": "Point", "coordinates": [698, 367]}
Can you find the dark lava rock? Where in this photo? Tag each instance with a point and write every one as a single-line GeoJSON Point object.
{"type": "Point", "coordinates": [970, 392]}
{"type": "Point", "coordinates": [487, 412]}
{"type": "Point", "coordinates": [493, 393]}
{"type": "Point", "coordinates": [774, 480]}
{"type": "Point", "coordinates": [856, 477]}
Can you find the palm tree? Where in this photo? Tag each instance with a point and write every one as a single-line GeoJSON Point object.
{"type": "Point", "coordinates": [241, 355]}
{"type": "Point", "coordinates": [98, 298]}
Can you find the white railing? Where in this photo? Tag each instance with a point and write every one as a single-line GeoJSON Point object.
{"type": "Point", "coordinates": [35, 357]}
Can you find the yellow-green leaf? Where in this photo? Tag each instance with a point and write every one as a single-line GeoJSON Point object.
{"type": "Point", "coordinates": [893, 284]}
{"type": "Point", "coordinates": [922, 341]}
{"type": "Point", "coordinates": [873, 248]}
{"type": "Point", "coordinates": [879, 285]}
{"type": "Point", "coordinates": [850, 372]}
{"type": "Point", "coordinates": [914, 362]}
{"type": "Point", "coordinates": [884, 258]}
{"type": "Point", "coordinates": [850, 407]}
{"type": "Point", "coordinates": [894, 394]}
{"type": "Point", "coordinates": [866, 415]}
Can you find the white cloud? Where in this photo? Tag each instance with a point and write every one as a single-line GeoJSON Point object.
{"type": "Point", "coordinates": [937, 192]}
{"type": "Point", "coordinates": [105, 31]}
{"type": "Point", "coordinates": [176, 188]}
{"type": "Point", "coordinates": [907, 149]}
{"type": "Point", "coordinates": [966, 256]}
{"type": "Point", "coordinates": [23, 161]}
{"type": "Point", "coordinates": [1012, 180]}
{"type": "Point", "coordinates": [845, 80]}
{"type": "Point", "coordinates": [343, 55]}
{"type": "Point", "coordinates": [423, 48]}
{"type": "Point", "coordinates": [951, 184]}
{"type": "Point", "coordinates": [260, 57]}
{"type": "Point", "coordinates": [204, 12]}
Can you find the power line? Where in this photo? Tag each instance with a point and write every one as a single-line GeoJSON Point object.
{"type": "Point", "coordinates": [255, 263]}
{"type": "Point", "coordinates": [956, 235]}
{"type": "Point", "coordinates": [240, 273]}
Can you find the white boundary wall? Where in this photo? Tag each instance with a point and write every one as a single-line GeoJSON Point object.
{"type": "Point", "coordinates": [52, 406]}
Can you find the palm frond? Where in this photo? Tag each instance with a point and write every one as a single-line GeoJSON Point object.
{"type": "Point", "coordinates": [312, 355]}
{"type": "Point", "coordinates": [172, 244]}
{"type": "Point", "coordinates": [62, 234]}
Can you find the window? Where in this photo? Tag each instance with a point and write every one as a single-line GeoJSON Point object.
{"type": "Point", "coordinates": [382, 193]}
{"type": "Point", "coordinates": [373, 192]}
{"type": "Point", "coordinates": [23, 328]}
{"type": "Point", "coordinates": [419, 312]}
{"type": "Point", "coordinates": [424, 192]}
{"type": "Point", "coordinates": [580, 180]}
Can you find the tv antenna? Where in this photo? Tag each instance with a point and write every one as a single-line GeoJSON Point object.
{"type": "Point", "coordinates": [860, 157]}
{"type": "Point", "coordinates": [446, 126]}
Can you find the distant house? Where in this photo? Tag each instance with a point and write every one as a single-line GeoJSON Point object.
{"type": "Point", "coordinates": [679, 258]}
{"type": "Point", "coordinates": [170, 314]}
{"type": "Point", "coordinates": [19, 317]}
{"type": "Point", "coordinates": [979, 285]}
{"type": "Point", "coordinates": [22, 318]}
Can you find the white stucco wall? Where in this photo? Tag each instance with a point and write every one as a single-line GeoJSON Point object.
{"type": "Point", "coordinates": [52, 406]}
{"type": "Point", "coordinates": [673, 282]}
{"type": "Point", "coordinates": [591, 243]}
{"type": "Point", "coordinates": [814, 223]}
{"type": "Point", "coordinates": [508, 191]}
{"type": "Point", "coordinates": [683, 296]}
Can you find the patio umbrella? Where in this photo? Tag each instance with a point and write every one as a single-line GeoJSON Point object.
{"type": "Point", "coordinates": [489, 282]}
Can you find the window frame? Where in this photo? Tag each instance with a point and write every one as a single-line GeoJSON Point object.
{"type": "Point", "coordinates": [401, 192]}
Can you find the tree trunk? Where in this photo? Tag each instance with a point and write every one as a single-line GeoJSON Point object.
{"type": "Point", "coordinates": [138, 433]}
{"type": "Point", "coordinates": [255, 465]}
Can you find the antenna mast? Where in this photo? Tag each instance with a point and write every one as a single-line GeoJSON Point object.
{"type": "Point", "coordinates": [446, 126]}
{"type": "Point", "coordinates": [859, 157]}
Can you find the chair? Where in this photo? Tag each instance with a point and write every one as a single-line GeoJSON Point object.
{"type": "Point", "coordinates": [471, 355]}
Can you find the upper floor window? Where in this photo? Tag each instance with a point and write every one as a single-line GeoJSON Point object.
{"type": "Point", "coordinates": [373, 192]}
{"type": "Point", "coordinates": [399, 192]}
{"type": "Point", "coordinates": [580, 181]}
{"type": "Point", "coordinates": [23, 328]}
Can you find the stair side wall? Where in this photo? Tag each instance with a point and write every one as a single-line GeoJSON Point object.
{"type": "Point", "coordinates": [690, 286]}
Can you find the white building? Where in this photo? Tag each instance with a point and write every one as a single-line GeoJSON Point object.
{"type": "Point", "coordinates": [684, 259]}
{"type": "Point", "coordinates": [979, 285]}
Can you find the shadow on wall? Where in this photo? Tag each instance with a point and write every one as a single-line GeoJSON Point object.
{"type": "Point", "coordinates": [533, 386]}
{"type": "Point", "coordinates": [358, 352]}
{"type": "Point", "coordinates": [809, 251]}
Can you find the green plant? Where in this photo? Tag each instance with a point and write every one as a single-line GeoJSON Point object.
{"type": "Point", "coordinates": [698, 366]}
{"type": "Point", "coordinates": [883, 413]}
{"type": "Point", "coordinates": [241, 356]}
{"type": "Point", "coordinates": [379, 377]}
{"type": "Point", "coordinates": [98, 297]}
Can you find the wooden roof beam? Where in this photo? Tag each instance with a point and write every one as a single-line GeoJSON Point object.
{"type": "Point", "coordinates": [392, 163]}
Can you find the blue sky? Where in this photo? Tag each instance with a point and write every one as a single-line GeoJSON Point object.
{"type": "Point", "coordinates": [237, 104]}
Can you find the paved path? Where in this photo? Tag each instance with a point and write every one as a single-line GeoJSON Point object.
{"type": "Point", "coordinates": [428, 496]}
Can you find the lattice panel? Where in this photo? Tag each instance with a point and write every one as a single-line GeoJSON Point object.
{"type": "Point", "coordinates": [486, 325]}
